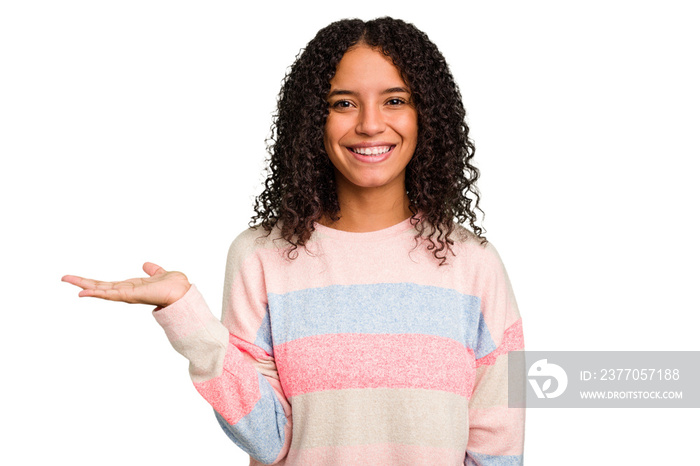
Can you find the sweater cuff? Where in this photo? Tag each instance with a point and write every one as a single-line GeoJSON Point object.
{"type": "Point", "coordinates": [186, 316]}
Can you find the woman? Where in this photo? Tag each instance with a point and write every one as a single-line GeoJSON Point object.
{"type": "Point", "coordinates": [372, 346]}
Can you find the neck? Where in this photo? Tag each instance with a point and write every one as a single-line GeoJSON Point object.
{"type": "Point", "coordinates": [370, 209]}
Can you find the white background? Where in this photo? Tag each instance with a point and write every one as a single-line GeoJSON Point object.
{"type": "Point", "coordinates": [135, 131]}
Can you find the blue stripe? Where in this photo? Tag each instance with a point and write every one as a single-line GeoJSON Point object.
{"type": "Point", "coordinates": [263, 339]}
{"type": "Point", "coordinates": [254, 433]}
{"type": "Point", "coordinates": [482, 459]}
{"type": "Point", "coordinates": [395, 308]}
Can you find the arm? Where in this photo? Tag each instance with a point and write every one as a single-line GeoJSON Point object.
{"type": "Point", "coordinates": [238, 378]}
{"type": "Point", "coordinates": [496, 432]}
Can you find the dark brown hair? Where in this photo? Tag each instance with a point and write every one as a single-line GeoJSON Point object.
{"type": "Point", "coordinates": [440, 180]}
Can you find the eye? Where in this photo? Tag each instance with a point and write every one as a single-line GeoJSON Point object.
{"type": "Point", "coordinates": [395, 102]}
{"type": "Point", "coordinates": [342, 104]}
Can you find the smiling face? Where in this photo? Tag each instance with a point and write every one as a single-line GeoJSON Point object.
{"type": "Point", "coordinates": [372, 126]}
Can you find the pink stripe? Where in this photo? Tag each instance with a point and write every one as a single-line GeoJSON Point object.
{"type": "Point", "coordinates": [379, 453]}
{"type": "Point", "coordinates": [497, 431]}
{"type": "Point", "coordinates": [512, 341]}
{"type": "Point", "coordinates": [374, 360]}
{"type": "Point", "coordinates": [234, 393]}
{"type": "Point", "coordinates": [391, 264]}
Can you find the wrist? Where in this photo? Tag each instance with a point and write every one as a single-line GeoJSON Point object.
{"type": "Point", "coordinates": [177, 294]}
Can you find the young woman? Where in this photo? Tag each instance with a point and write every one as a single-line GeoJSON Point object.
{"type": "Point", "coordinates": [362, 324]}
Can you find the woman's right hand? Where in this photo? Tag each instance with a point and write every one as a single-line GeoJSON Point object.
{"type": "Point", "coordinates": [161, 288]}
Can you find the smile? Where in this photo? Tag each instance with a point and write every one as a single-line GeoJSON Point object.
{"type": "Point", "coordinates": [371, 151]}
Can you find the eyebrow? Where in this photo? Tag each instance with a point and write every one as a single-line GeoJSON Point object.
{"type": "Point", "coordinates": [391, 90]}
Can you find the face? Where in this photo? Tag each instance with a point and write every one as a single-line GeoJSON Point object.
{"type": "Point", "coordinates": [372, 126]}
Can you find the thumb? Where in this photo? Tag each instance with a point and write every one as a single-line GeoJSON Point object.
{"type": "Point", "coordinates": [152, 269]}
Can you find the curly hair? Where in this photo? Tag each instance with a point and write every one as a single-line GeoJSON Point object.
{"type": "Point", "coordinates": [440, 180]}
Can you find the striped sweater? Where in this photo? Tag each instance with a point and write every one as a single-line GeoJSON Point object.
{"type": "Point", "coordinates": [360, 351]}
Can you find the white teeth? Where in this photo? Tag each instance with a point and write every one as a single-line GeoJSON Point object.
{"type": "Point", "coordinates": [377, 150]}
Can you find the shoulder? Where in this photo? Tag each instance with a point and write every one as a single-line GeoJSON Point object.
{"type": "Point", "coordinates": [486, 277]}
{"type": "Point", "coordinates": [474, 250]}
{"type": "Point", "coordinates": [251, 241]}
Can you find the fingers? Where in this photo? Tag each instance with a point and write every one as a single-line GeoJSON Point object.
{"type": "Point", "coordinates": [134, 290]}
{"type": "Point", "coordinates": [110, 294]}
{"type": "Point", "coordinates": [84, 283]}
{"type": "Point", "coordinates": [70, 279]}
{"type": "Point", "coordinates": [92, 288]}
{"type": "Point", "coordinates": [152, 269]}
{"type": "Point", "coordinates": [79, 281]}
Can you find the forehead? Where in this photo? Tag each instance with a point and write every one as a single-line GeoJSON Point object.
{"type": "Point", "coordinates": [365, 68]}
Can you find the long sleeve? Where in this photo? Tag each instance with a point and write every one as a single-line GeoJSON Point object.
{"type": "Point", "coordinates": [496, 432]}
{"type": "Point", "coordinates": [231, 361]}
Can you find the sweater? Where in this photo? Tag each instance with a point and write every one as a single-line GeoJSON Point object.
{"type": "Point", "coordinates": [361, 350]}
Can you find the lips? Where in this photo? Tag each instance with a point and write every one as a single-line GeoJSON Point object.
{"type": "Point", "coordinates": [372, 150]}
{"type": "Point", "coordinates": [371, 153]}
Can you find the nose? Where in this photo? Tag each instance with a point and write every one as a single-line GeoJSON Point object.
{"type": "Point", "coordinates": [370, 121]}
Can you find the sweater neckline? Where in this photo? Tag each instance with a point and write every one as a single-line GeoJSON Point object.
{"type": "Point", "coordinates": [384, 233]}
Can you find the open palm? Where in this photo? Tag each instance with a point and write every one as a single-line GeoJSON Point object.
{"type": "Point", "coordinates": [161, 288]}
